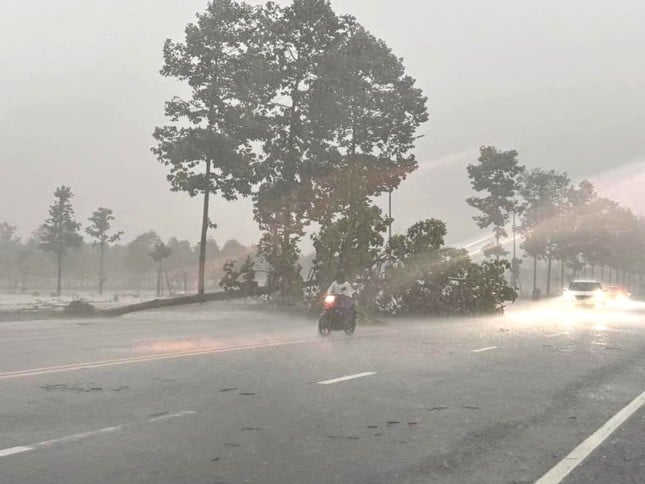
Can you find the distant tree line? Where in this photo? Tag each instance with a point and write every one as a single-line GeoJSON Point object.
{"type": "Point", "coordinates": [57, 256]}
{"type": "Point", "coordinates": [558, 222]}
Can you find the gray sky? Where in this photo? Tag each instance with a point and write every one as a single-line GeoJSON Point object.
{"type": "Point", "coordinates": [563, 82]}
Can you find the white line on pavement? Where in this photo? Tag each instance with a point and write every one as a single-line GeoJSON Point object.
{"type": "Point", "coordinates": [85, 435]}
{"type": "Point", "coordinates": [346, 378]}
{"type": "Point", "coordinates": [488, 348]}
{"type": "Point", "coordinates": [564, 333]}
{"type": "Point", "coordinates": [172, 415]}
{"type": "Point", "coordinates": [15, 450]}
{"type": "Point", "coordinates": [77, 437]}
{"type": "Point", "coordinates": [580, 453]}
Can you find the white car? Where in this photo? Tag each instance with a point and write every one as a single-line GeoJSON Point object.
{"type": "Point", "coordinates": [585, 293]}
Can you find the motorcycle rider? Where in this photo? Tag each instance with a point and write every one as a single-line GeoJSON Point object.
{"type": "Point", "coordinates": [343, 291]}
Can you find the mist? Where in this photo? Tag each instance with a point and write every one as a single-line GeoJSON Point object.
{"type": "Point", "coordinates": [80, 94]}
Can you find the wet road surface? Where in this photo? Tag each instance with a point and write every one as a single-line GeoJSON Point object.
{"type": "Point", "coordinates": [228, 393]}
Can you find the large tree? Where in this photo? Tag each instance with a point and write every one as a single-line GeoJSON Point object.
{"type": "Point", "coordinates": [544, 198]}
{"type": "Point", "coordinates": [343, 131]}
{"type": "Point", "coordinates": [159, 253]}
{"type": "Point", "coordinates": [208, 148]}
{"type": "Point", "coordinates": [99, 229]}
{"type": "Point", "coordinates": [60, 232]}
{"type": "Point", "coordinates": [496, 174]}
{"type": "Point", "coordinates": [298, 38]}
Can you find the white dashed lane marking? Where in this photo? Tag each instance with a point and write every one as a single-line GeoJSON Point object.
{"type": "Point", "coordinates": [86, 435]}
{"type": "Point", "coordinates": [488, 348]}
{"type": "Point", "coordinates": [347, 378]}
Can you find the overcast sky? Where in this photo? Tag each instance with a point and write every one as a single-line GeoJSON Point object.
{"type": "Point", "coordinates": [563, 82]}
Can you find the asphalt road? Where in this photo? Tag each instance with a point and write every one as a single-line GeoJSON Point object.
{"type": "Point", "coordinates": [230, 393]}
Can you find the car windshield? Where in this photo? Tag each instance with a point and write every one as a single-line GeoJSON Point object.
{"type": "Point", "coordinates": [584, 286]}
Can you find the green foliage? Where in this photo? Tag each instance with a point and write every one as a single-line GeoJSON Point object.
{"type": "Point", "coordinates": [59, 233]}
{"type": "Point", "coordinates": [160, 252]}
{"type": "Point", "coordinates": [426, 278]}
{"type": "Point", "coordinates": [229, 281]}
{"type": "Point", "coordinates": [209, 146]}
{"type": "Point", "coordinates": [10, 250]}
{"type": "Point", "coordinates": [242, 279]}
{"type": "Point", "coordinates": [353, 244]}
{"type": "Point", "coordinates": [138, 252]}
{"type": "Point", "coordinates": [100, 225]}
{"type": "Point", "coordinates": [282, 254]}
{"type": "Point", "coordinates": [497, 173]}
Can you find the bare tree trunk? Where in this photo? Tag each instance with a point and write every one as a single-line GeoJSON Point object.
{"type": "Point", "coordinates": [548, 278]}
{"type": "Point", "coordinates": [602, 274]}
{"type": "Point", "coordinates": [534, 275]}
{"type": "Point", "coordinates": [159, 286]}
{"type": "Point", "coordinates": [59, 275]}
{"type": "Point", "coordinates": [101, 269]}
{"type": "Point", "coordinates": [562, 275]}
{"type": "Point", "coordinates": [203, 239]}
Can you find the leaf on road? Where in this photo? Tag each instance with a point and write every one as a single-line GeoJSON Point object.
{"type": "Point", "coordinates": [437, 409]}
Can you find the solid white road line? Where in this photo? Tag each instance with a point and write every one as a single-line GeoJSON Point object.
{"type": "Point", "coordinates": [346, 378]}
{"type": "Point", "coordinates": [15, 450]}
{"type": "Point", "coordinates": [85, 435]}
{"type": "Point", "coordinates": [580, 453]}
{"type": "Point", "coordinates": [488, 348]}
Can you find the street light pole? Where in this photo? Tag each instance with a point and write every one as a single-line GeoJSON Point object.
{"type": "Point", "coordinates": [389, 203]}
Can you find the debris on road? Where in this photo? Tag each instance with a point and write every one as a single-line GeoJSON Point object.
{"type": "Point", "coordinates": [71, 388]}
{"type": "Point", "coordinates": [79, 308]}
{"type": "Point", "coordinates": [437, 409]}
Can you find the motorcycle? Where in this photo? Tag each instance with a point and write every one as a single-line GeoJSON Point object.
{"type": "Point", "coordinates": [334, 318]}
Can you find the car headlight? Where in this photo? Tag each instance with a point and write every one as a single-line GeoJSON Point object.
{"type": "Point", "coordinates": [599, 294]}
